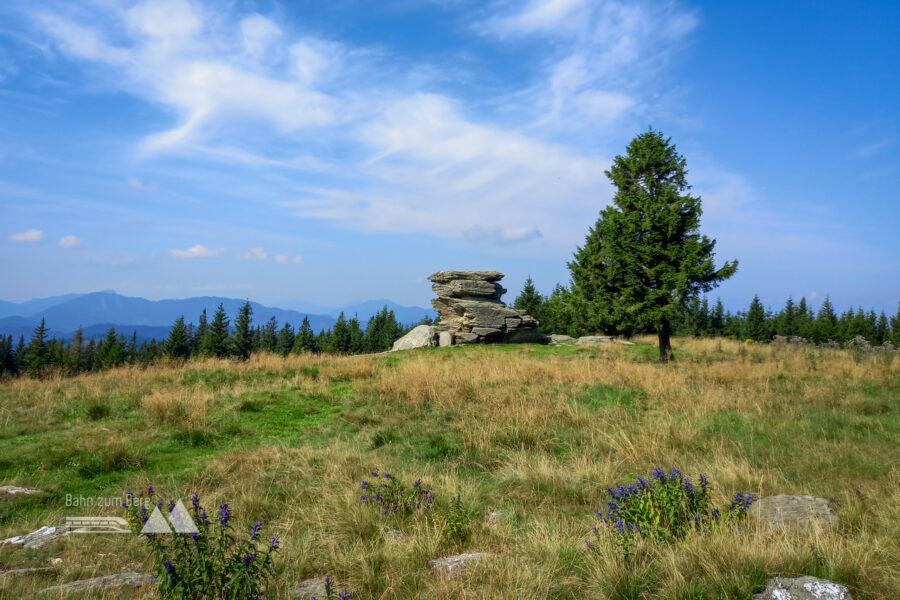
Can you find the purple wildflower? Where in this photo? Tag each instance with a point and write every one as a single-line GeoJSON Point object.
{"type": "Point", "coordinates": [387, 475]}
{"type": "Point", "coordinates": [345, 595]}
{"type": "Point", "coordinates": [170, 568]}
{"type": "Point", "coordinates": [374, 473]}
{"type": "Point", "coordinates": [362, 498]}
{"type": "Point", "coordinates": [195, 500]}
{"type": "Point", "coordinates": [658, 474]}
{"type": "Point", "coordinates": [254, 531]}
{"type": "Point", "coordinates": [364, 485]}
{"type": "Point", "coordinates": [224, 514]}
{"type": "Point", "coordinates": [273, 543]}
{"type": "Point", "coordinates": [149, 490]}
{"type": "Point", "coordinates": [248, 558]}
{"type": "Point", "coordinates": [589, 544]}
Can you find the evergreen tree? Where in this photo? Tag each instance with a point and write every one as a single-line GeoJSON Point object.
{"type": "Point", "coordinates": [357, 337]}
{"type": "Point", "coordinates": [338, 341]}
{"type": "Point", "coordinates": [285, 339]}
{"type": "Point", "coordinates": [75, 353]}
{"type": "Point", "coordinates": [178, 345]}
{"type": "Point", "coordinates": [756, 326]}
{"type": "Point", "coordinates": [803, 321]}
{"type": "Point", "coordinates": [21, 355]}
{"type": "Point", "coordinates": [645, 254]}
{"type": "Point", "coordinates": [895, 328]}
{"type": "Point", "coordinates": [530, 300]}
{"type": "Point", "coordinates": [717, 319]}
{"type": "Point", "coordinates": [305, 340]}
{"type": "Point", "coordinates": [36, 355]}
{"type": "Point", "coordinates": [131, 348]}
{"type": "Point", "coordinates": [111, 352]}
{"type": "Point", "coordinates": [242, 344]}
{"type": "Point", "coordinates": [200, 333]}
{"type": "Point", "coordinates": [785, 321]}
{"type": "Point", "coordinates": [216, 342]}
{"type": "Point", "coordinates": [382, 330]}
{"type": "Point", "coordinates": [882, 329]}
{"type": "Point", "coordinates": [825, 326]}
{"type": "Point", "coordinates": [270, 335]}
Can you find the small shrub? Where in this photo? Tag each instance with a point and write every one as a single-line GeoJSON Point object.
{"type": "Point", "coordinates": [384, 437]}
{"type": "Point", "coordinates": [210, 564]}
{"type": "Point", "coordinates": [394, 497]}
{"type": "Point", "coordinates": [456, 527]}
{"type": "Point", "coordinates": [97, 411]}
{"type": "Point", "coordinates": [664, 508]}
{"type": "Point", "coordinates": [252, 406]}
{"type": "Point", "coordinates": [193, 438]}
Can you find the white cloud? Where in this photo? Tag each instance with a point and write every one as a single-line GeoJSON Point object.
{"type": "Point", "coordinates": [281, 259]}
{"type": "Point", "coordinates": [257, 253]}
{"type": "Point", "coordinates": [298, 259]}
{"type": "Point", "coordinates": [137, 184]}
{"type": "Point", "coordinates": [197, 251]}
{"type": "Point", "coordinates": [68, 241]}
{"type": "Point", "coordinates": [259, 35]}
{"type": "Point", "coordinates": [32, 235]}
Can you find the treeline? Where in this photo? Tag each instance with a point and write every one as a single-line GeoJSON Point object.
{"type": "Point", "coordinates": [559, 313]}
{"type": "Point", "coordinates": [217, 337]}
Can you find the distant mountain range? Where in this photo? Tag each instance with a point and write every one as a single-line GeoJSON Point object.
{"type": "Point", "coordinates": [97, 312]}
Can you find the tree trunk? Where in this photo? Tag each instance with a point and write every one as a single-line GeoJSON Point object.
{"type": "Point", "coordinates": [665, 344]}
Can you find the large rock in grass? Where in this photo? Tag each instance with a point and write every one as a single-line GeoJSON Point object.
{"type": "Point", "coordinates": [802, 588]}
{"type": "Point", "coordinates": [37, 538]}
{"type": "Point", "coordinates": [797, 512]}
{"type": "Point", "coordinates": [423, 336]}
{"type": "Point", "coordinates": [471, 311]}
{"type": "Point", "coordinates": [123, 579]}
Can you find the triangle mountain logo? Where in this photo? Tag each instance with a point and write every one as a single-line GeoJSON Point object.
{"type": "Point", "coordinates": [179, 517]}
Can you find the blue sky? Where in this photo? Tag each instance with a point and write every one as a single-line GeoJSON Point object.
{"type": "Point", "coordinates": [339, 151]}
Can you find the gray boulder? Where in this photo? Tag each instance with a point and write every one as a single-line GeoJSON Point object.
{"type": "Point", "coordinates": [450, 566]}
{"type": "Point", "coordinates": [423, 336]}
{"type": "Point", "coordinates": [784, 510]}
{"type": "Point", "coordinates": [14, 489]}
{"type": "Point", "coordinates": [468, 288]}
{"type": "Point", "coordinates": [314, 587]}
{"type": "Point", "coordinates": [37, 538]}
{"type": "Point", "coordinates": [448, 276]}
{"type": "Point", "coordinates": [802, 588]}
{"type": "Point", "coordinates": [593, 340]}
{"type": "Point", "coordinates": [557, 338]}
{"type": "Point", "coordinates": [125, 578]}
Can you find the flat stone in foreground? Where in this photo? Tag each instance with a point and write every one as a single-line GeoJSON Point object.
{"type": "Point", "coordinates": [14, 489]}
{"type": "Point", "coordinates": [792, 511]}
{"type": "Point", "coordinates": [450, 566]}
{"type": "Point", "coordinates": [593, 340]}
{"type": "Point", "coordinates": [802, 588]}
{"type": "Point", "coordinates": [38, 538]}
{"type": "Point", "coordinates": [123, 579]}
{"type": "Point", "coordinates": [315, 586]}
{"type": "Point", "coordinates": [27, 571]}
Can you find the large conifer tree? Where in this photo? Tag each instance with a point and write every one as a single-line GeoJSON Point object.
{"type": "Point", "coordinates": [243, 337]}
{"type": "Point", "coordinates": [645, 257]}
{"type": "Point", "coordinates": [216, 341]}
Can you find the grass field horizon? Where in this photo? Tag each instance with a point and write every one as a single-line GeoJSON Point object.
{"type": "Point", "coordinates": [538, 432]}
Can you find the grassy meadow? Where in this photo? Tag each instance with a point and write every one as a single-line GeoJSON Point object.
{"type": "Point", "coordinates": [538, 432]}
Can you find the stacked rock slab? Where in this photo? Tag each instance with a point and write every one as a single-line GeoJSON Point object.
{"type": "Point", "coordinates": [471, 310]}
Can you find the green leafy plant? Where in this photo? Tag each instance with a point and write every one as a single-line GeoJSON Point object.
{"type": "Point", "coordinates": [392, 496]}
{"type": "Point", "coordinates": [211, 564]}
{"type": "Point", "coordinates": [664, 508]}
{"type": "Point", "coordinates": [456, 526]}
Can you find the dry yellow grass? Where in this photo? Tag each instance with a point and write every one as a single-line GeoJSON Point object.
{"type": "Point", "coordinates": [537, 432]}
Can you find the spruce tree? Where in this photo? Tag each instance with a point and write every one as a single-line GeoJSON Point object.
{"type": "Point", "coordinates": [36, 354]}
{"type": "Point", "coordinates": [785, 321]}
{"type": "Point", "coordinates": [825, 326]}
{"type": "Point", "coordinates": [530, 300]}
{"type": "Point", "coordinates": [199, 333]}
{"type": "Point", "coordinates": [882, 329]}
{"type": "Point", "coordinates": [285, 339]}
{"type": "Point", "coordinates": [756, 324]}
{"type": "Point", "coordinates": [178, 345]}
{"type": "Point", "coordinates": [895, 328]}
{"type": "Point", "coordinates": [645, 256]}
{"type": "Point", "coordinates": [242, 344]}
{"type": "Point", "coordinates": [338, 340]}
{"type": "Point", "coordinates": [306, 339]}
{"type": "Point", "coordinates": [270, 335]}
{"type": "Point", "coordinates": [717, 319]}
{"type": "Point", "coordinates": [216, 342]}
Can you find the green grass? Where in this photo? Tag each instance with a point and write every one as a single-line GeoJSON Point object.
{"type": "Point", "coordinates": [537, 431]}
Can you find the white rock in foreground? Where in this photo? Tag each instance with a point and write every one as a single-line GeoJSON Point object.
{"type": "Point", "coordinates": [802, 588]}
{"type": "Point", "coordinates": [423, 336]}
{"type": "Point", "coordinates": [449, 566]}
{"type": "Point", "coordinates": [14, 489]}
{"type": "Point", "coordinates": [38, 538]}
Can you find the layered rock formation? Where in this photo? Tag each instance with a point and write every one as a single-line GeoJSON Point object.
{"type": "Point", "coordinates": [471, 311]}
